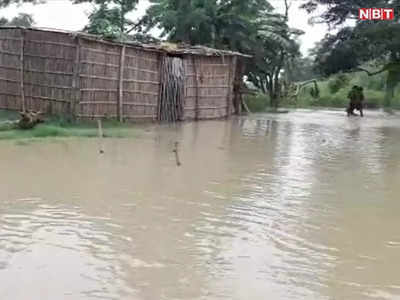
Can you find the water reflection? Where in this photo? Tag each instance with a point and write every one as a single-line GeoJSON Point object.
{"type": "Point", "coordinates": [49, 252]}
{"type": "Point", "coordinates": [297, 206]}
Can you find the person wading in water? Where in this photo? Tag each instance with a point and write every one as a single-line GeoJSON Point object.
{"type": "Point", "coordinates": [356, 97]}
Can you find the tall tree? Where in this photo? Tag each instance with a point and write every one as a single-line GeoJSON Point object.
{"type": "Point", "coordinates": [110, 16]}
{"type": "Point", "coordinates": [3, 21]}
{"type": "Point", "coordinates": [352, 47]}
{"type": "Point", "coordinates": [22, 20]}
{"type": "Point", "coordinates": [247, 26]}
{"type": "Point", "coordinates": [189, 21]}
{"type": "Point", "coordinates": [4, 3]}
{"type": "Point", "coordinates": [218, 23]}
{"type": "Point", "coordinates": [105, 21]}
{"type": "Point", "coordinates": [270, 58]}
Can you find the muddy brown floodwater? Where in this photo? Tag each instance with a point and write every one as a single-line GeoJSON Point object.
{"type": "Point", "coordinates": [298, 206]}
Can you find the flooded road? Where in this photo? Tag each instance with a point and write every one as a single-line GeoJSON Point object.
{"type": "Point", "coordinates": [298, 206]}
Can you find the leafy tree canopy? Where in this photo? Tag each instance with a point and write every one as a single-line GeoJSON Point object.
{"type": "Point", "coordinates": [4, 3]}
{"type": "Point", "coordinates": [22, 20]}
{"type": "Point", "coordinates": [352, 47]}
{"type": "Point", "coordinates": [221, 24]}
{"type": "Point", "coordinates": [110, 17]}
{"type": "Point", "coordinates": [336, 12]}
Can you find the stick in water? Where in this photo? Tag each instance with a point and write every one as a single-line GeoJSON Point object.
{"type": "Point", "coordinates": [178, 162]}
{"type": "Point", "coordinates": [246, 107]}
{"type": "Point", "coordinates": [100, 127]}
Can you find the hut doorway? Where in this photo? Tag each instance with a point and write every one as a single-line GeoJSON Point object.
{"type": "Point", "coordinates": [172, 91]}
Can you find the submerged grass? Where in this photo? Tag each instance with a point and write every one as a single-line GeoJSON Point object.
{"type": "Point", "coordinates": [58, 127]}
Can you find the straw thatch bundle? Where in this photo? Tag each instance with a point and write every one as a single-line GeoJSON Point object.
{"type": "Point", "coordinates": [172, 90]}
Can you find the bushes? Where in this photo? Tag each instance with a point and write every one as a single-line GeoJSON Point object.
{"type": "Point", "coordinates": [258, 102]}
{"type": "Point", "coordinates": [334, 90]}
{"type": "Point", "coordinates": [338, 82]}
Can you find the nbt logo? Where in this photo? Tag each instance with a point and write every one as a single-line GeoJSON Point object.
{"type": "Point", "coordinates": [376, 13]}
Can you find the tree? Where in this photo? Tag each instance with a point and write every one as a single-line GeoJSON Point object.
{"type": "Point", "coordinates": [216, 23]}
{"type": "Point", "coordinates": [250, 27]}
{"type": "Point", "coordinates": [337, 12]}
{"type": "Point", "coordinates": [275, 50]}
{"type": "Point", "coordinates": [368, 41]}
{"type": "Point", "coordinates": [269, 61]}
{"type": "Point", "coordinates": [22, 20]}
{"type": "Point", "coordinates": [3, 21]}
{"type": "Point", "coordinates": [190, 21]}
{"type": "Point", "coordinates": [4, 3]}
{"type": "Point", "coordinates": [104, 21]}
{"type": "Point", "coordinates": [110, 17]}
{"type": "Point", "coordinates": [299, 69]}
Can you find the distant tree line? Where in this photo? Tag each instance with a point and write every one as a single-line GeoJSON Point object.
{"type": "Point", "coordinates": [23, 20]}
{"type": "Point", "coordinates": [370, 46]}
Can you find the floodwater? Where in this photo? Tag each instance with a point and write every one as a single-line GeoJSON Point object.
{"type": "Point", "coordinates": [298, 206]}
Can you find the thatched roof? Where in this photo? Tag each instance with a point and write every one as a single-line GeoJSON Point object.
{"type": "Point", "coordinates": [194, 50]}
{"type": "Point", "coordinates": [177, 49]}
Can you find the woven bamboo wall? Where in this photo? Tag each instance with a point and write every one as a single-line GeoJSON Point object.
{"type": "Point", "coordinates": [78, 76]}
{"type": "Point", "coordinates": [208, 87]}
{"type": "Point", "coordinates": [98, 79]}
{"type": "Point", "coordinates": [10, 69]}
{"type": "Point", "coordinates": [48, 71]}
{"type": "Point", "coordinates": [141, 84]}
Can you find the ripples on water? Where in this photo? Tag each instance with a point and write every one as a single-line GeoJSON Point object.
{"type": "Point", "coordinates": [297, 206]}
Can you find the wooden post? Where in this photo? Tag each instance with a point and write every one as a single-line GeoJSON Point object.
{"type": "Point", "coordinates": [196, 84]}
{"type": "Point", "coordinates": [240, 68]}
{"type": "Point", "coordinates": [75, 80]}
{"type": "Point", "coordinates": [100, 131]}
{"type": "Point", "coordinates": [161, 58]}
{"type": "Point", "coordinates": [120, 111]}
{"type": "Point", "coordinates": [232, 69]}
{"type": "Point", "coordinates": [176, 151]}
{"type": "Point", "coordinates": [245, 106]}
{"type": "Point", "coordinates": [22, 69]}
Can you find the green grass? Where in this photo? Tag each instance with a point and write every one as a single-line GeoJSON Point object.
{"type": "Point", "coordinates": [58, 127]}
{"type": "Point", "coordinates": [333, 93]}
{"type": "Point", "coordinates": [257, 103]}
{"type": "Point", "coordinates": [334, 90]}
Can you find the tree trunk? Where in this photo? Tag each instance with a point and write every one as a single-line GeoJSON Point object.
{"type": "Point", "coordinates": [392, 80]}
{"type": "Point", "coordinates": [271, 94]}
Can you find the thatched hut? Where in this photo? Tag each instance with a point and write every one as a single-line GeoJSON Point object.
{"type": "Point", "coordinates": [83, 76]}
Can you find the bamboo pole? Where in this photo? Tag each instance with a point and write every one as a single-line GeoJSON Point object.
{"type": "Point", "coordinates": [22, 69]}
{"type": "Point", "coordinates": [196, 112]}
{"type": "Point", "coordinates": [176, 151]}
{"type": "Point", "coordinates": [232, 71]}
{"type": "Point", "coordinates": [171, 90]}
{"type": "Point", "coordinates": [75, 79]}
{"type": "Point", "coordinates": [100, 132]}
{"type": "Point", "coordinates": [121, 85]}
{"type": "Point", "coordinates": [240, 68]}
{"type": "Point", "coordinates": [245, 106]}
{"type": "Point", "coordinates": [160, 89]}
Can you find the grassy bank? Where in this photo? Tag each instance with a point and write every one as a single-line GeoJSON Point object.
{"type": "Point", "coordinates": [58, 127]}
{"type": "Point", "coordinates": [333, 93]}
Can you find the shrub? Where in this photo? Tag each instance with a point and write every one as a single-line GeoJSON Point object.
{"type": "Point", "coordinates": [338, 82]}
{"type": "Point", "coordinates": [258, 102]}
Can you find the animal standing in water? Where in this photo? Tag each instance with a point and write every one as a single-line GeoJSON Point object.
{"type": "Point", "coordinates": [356, 97]}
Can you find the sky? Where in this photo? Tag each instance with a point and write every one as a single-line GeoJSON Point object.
{"type": "Point", "coordinates": [62, 14]}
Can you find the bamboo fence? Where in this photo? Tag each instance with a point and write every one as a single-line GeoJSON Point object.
{"type": "Point", "coordinates": [78, 75]}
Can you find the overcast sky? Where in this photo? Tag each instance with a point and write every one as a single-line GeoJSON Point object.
{"type": "Point", "coordinates": [62, 14]}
